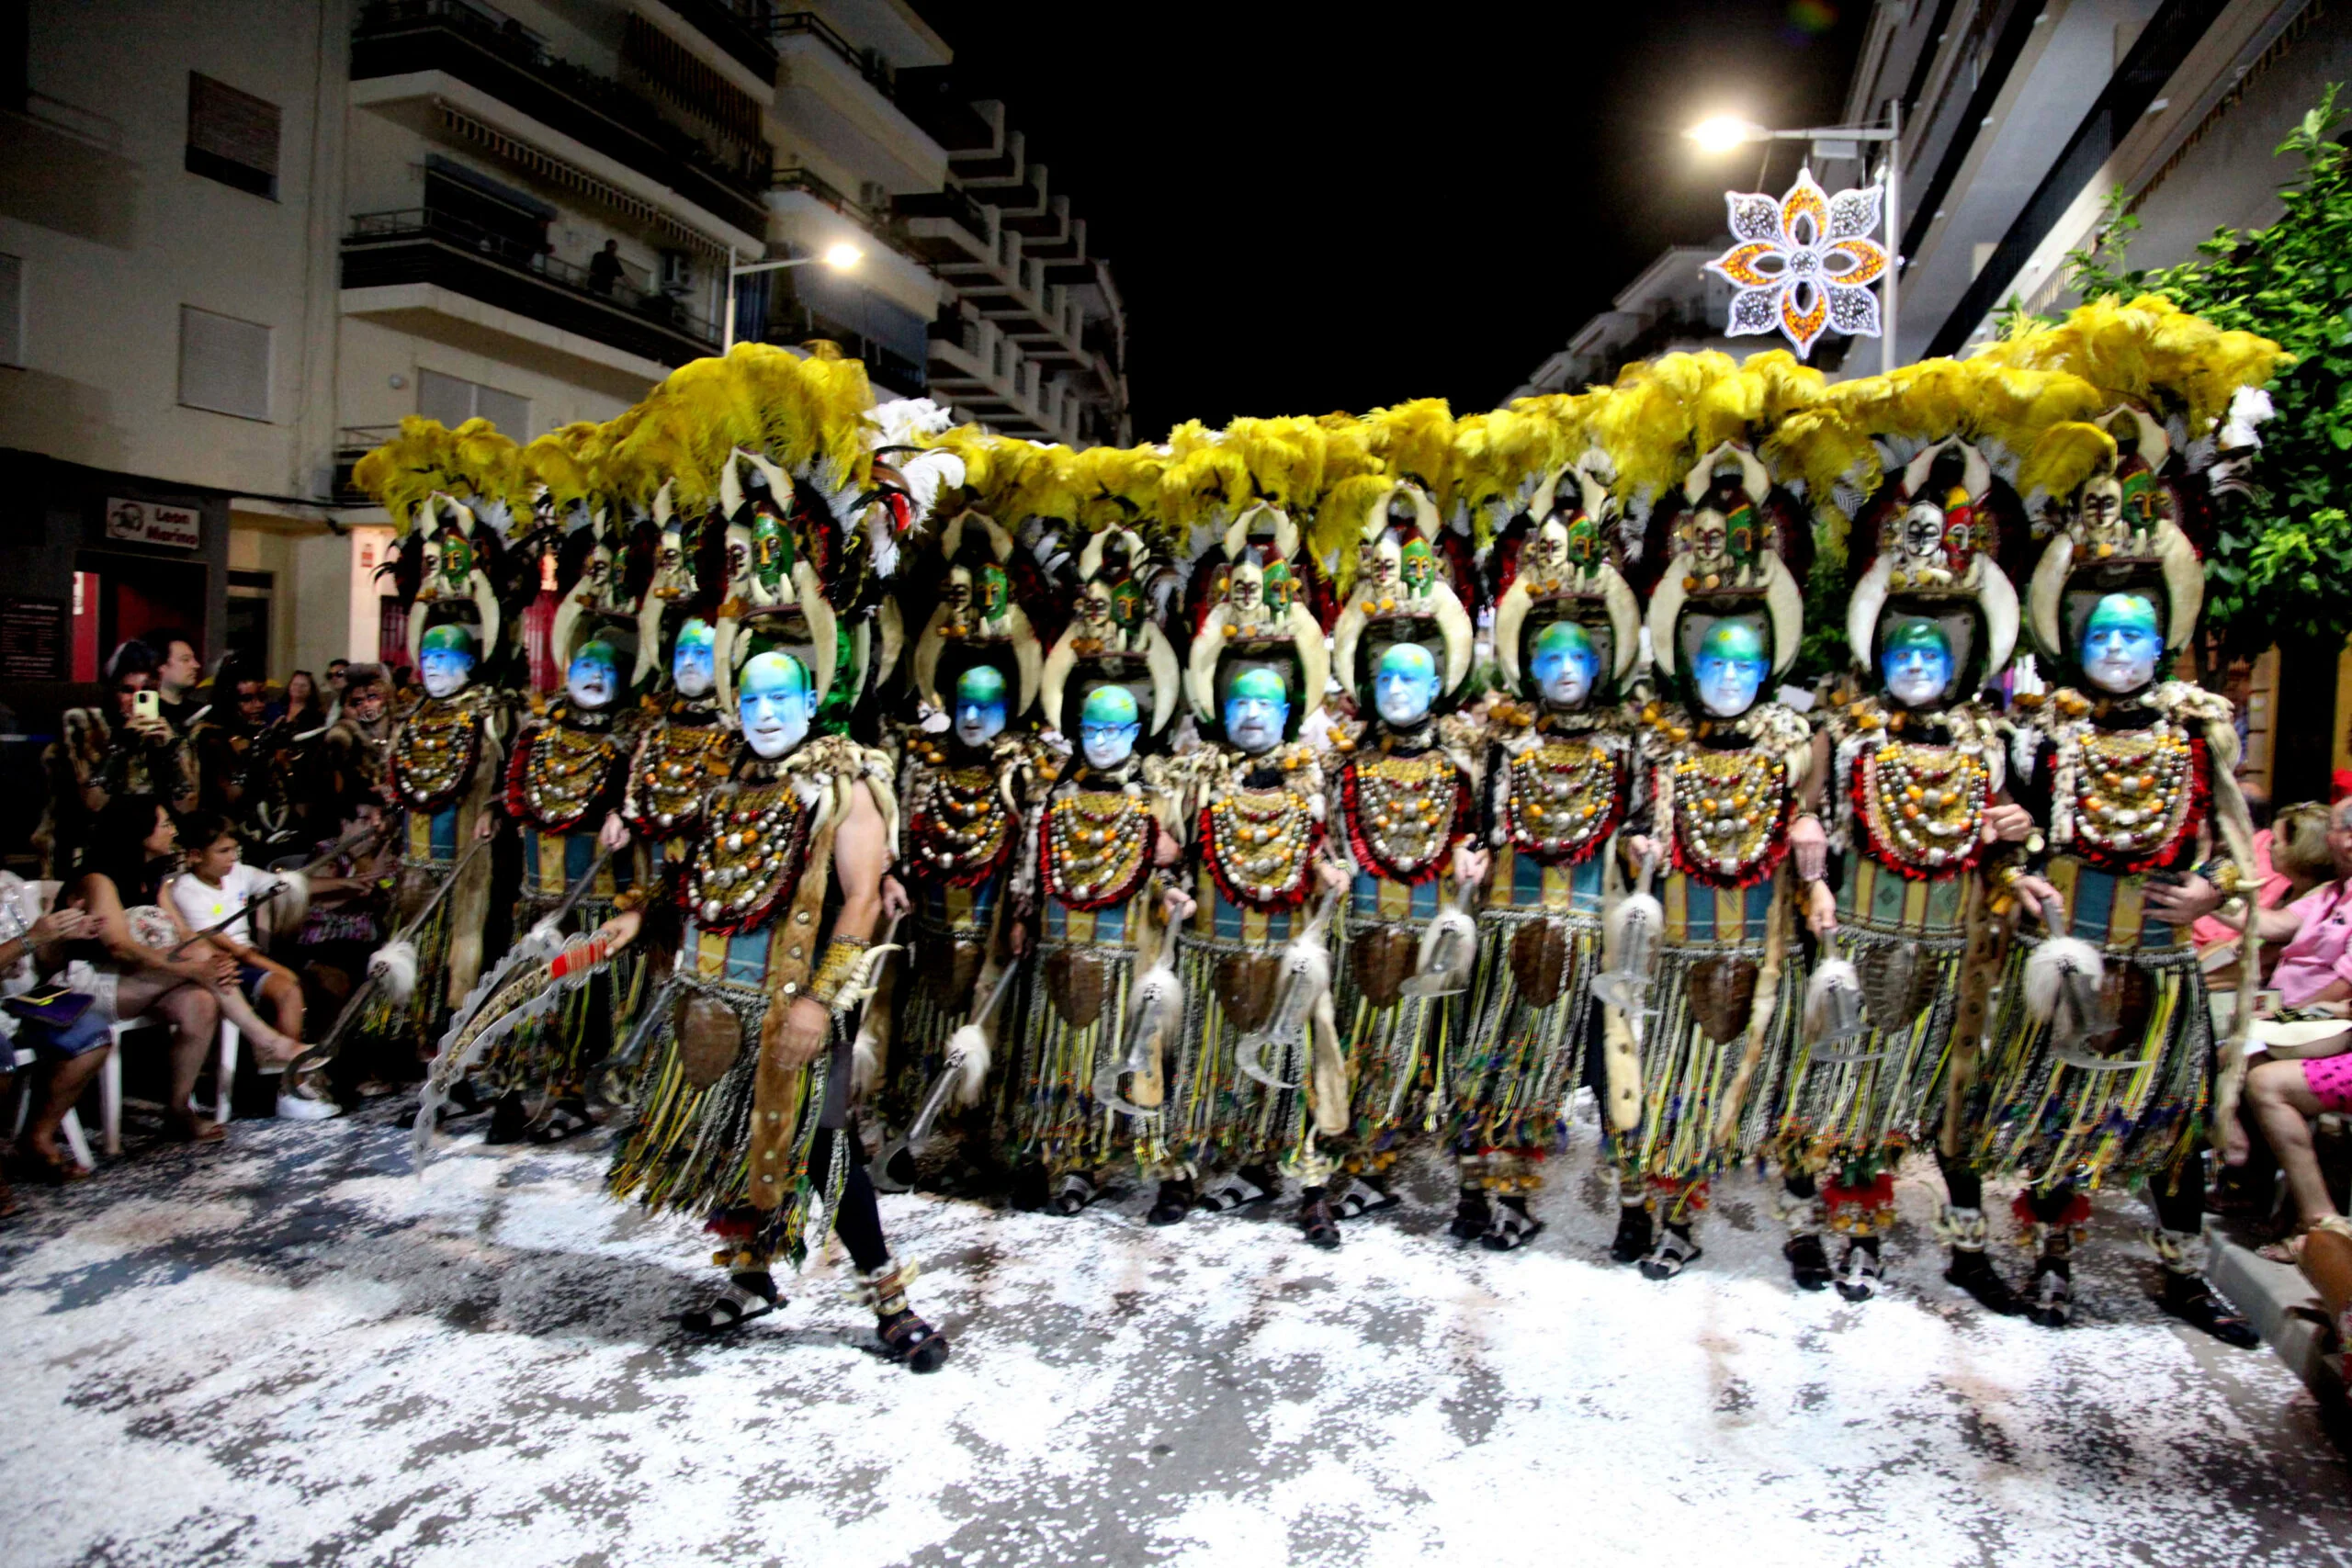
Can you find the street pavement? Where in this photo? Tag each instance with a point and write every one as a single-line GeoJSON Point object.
{"type": "Point", "coordinates": [291, 1349]}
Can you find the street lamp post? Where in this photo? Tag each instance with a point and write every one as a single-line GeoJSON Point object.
{"type": "Point", "coordinates": [840, 257]}
{"type": "Point", "coordinates": [1724, 133]}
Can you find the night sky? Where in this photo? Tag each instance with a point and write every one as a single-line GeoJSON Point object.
{"type": "Point", "coordinates": [1318, 208]}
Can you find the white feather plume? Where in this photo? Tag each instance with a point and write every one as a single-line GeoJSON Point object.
{"type": "Point", "coordinates": [393, 968]}
{"type": "Point", "coordinates": [1633, 905]}
{"type": "Point", "coordinates": [968, 1054]}
{"type": "Point", "coordinates": [2051, 961]}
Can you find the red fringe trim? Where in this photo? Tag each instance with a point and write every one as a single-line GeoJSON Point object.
{"type": "Point", "coordinates": [1619, 799]}
{"type": "Point", "coordinates": [1879, 852]}
{"type": "Point", "coordinates": [518, 800]}
{"type": "Point", "coordinates": [1879, 1193]}
{"type": "Point", "coordinates": [1776, 848]}
{"type": "Point", "coordinates": [2200, 802]}
{"type": "Point", "coordinates": [1047, 863]}
{"type": "Point", "coordinates": [970, 876]}
{"type": "Point", "coordinates": [1379, 864]}
{"type": "Point", "coordinates": [2077, 1212]}
{"type": "Point", "coordinates": [1290, 897]}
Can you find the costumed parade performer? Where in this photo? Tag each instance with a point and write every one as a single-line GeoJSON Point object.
{"type": "Point", "coordinates": [1912, 930]}
{"type": "Point", "coordinates": [1723, 771]}
{"type": "Point", "coordinates": [1255, 1075]}
{"type": "Point", "coordinates": [977, 663]}
{"type": "Point", "coordinates": [1558, 774]}
{"type": "Point", "coordinates": [1100, 832]}
{"type": "Point", "coordinates": [2104, 1065]}
{"type": "Point", "coordinates": [1405, 806]}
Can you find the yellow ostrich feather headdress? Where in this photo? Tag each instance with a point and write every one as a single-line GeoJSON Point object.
{"type": "Point", "coordinates": [2150, 350]}
{"type": "Point", "coordinates": [473, 463]}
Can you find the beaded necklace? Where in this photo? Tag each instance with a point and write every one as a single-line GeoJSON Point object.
{"type": "Point", "coordinates": [1565, 797]}
{"type": "Point", "coordinates": [1730, 811]}
{"type": "Point", "coordinates": [559, 773]}
{"type": "Point", "coordinates": [958, 827]}
{"type": "Point", "coordinates": [434, 755]}
{"type": "Point", "coordinates": [679, 763]}
{"type": "Point", "coordinates": [1095, 848]}
{"type": "Point", "coordinates": [1921, 807]}
{"type": "Point", "coordinates": [749, 858]}
{"type": "Point", "coordinates": [2125, 799]}
{"type": "Point", "coordinates": [1401, 812]}
{"type": "Point", "coordinates": [1260, 845]}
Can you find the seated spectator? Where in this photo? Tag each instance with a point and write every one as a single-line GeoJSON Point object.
{"type": "Point", "coordinates": [131, 961]}
{"type": "Point", "coordinates": [71, 1053]}
{"type": "Point", "coordinates": [2313, 979]}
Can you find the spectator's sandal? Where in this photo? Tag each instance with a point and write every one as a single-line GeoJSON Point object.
{"type": "Point", "coordinates": [1672, 1252]}
{"type": "Point", "coordinates": [566, 1121]}
{"type": "Point", "coordinates": [1513, 1228]}
{"type": "Point", "coordinates": [747, 1296]}
{"type": "Point", "coordinates": [1363, 1198]}
{"type": "Point", "coordinates": [1244, 1189]}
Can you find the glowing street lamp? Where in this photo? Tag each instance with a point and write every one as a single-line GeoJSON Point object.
{"type": "Point", "coordinates": [1721, 133]}
{"type": "Point", "coordinates": [841, 256]}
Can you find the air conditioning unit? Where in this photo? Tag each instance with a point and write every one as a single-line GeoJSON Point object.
{"type": "Point", "coordinates": [677, 272]}
{"type": "Point", "coordinates": [874, 195]}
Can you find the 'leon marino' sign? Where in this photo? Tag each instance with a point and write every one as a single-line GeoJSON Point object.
{"type": "Point", "coordinates": [153, 523]}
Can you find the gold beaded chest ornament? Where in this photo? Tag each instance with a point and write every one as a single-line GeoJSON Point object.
{"type": "Point", "coordinates": [1095, 848]}
{"type": "Point", "coordinates": [749, 858]}
{"type": "Point", "coordinates": [434, 755]}
{"type": "Point", "coordinates": [2125, 800]}
{"type": "Point", "coordinates": [960, 830]}
{"type": "Point", "coordinates": [1921, 808]}
{"type": "Point", "coordinates": [674, 769]}
{"type": "Point", "coordinates": [1403, 813]}
{"type": "Point", "coordinates": [1730, 811]}
{"type": "Point", "coordinates": [559, 773]}
{"type": "Point", "coordinates": [1565, 797]}
{"type": "Point", "coordinates": [1260, 847]}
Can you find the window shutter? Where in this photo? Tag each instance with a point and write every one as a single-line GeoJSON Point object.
{"type": "Point", "coordinates": [232, 136]}
{"type": "Point", "coordinates": [224, 364]}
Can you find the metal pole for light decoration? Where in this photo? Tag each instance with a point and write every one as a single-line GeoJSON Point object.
{"type": "Point", "coordinates": [841, 257]}
{"type": "Point", "coordinates": [1803, 230]}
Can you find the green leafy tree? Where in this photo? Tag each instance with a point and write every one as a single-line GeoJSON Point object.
{"type": "Point", "coordinates": [2281, 569]}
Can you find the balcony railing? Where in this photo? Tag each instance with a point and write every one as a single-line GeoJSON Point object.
{"type": "Point", "coordinates": [739, 26]}
{"type": "Point", "coordinates": [352, 443]}
{"type": "Point", "coordinates": [398, 37]}
{"type": "Point", "coordinates": [866, 63]}
{"type": "Point", "coordinates": [420, 245]}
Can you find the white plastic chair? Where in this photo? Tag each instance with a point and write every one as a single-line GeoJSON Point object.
{"type": "Point", "coordinates": [110, 1075]}
{"type": "Point", "coordinates": [71, 1127]}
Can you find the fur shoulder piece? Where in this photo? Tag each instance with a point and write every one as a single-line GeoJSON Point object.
{"type": "Point", "coordinates": [2183, 702]}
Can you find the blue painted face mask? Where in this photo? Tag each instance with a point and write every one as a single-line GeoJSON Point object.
{"type": "Point", "coordinates": [1566, 664]}
{"type": "Point", "coordinates": [776, 702]}
{"type": "Point", "coordinates": [692, 667]}
{"type": "Point", "coordinates": [980, 709]}
{"type": "Point", "coordinates": [1403, 688]}
{"type": "Point", "coordinates": [2121, 645]}
{"type": "Point", "coordinates": [1730, 669]}
{"type": "Point", "coordinates": [1257, 711]}
{"type": "Point", "coordinates": [1109, 727]}
{"type": "Point", "coordinates": [1916, 663]}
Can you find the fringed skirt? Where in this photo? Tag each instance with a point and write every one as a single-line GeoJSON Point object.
{"type": "Point", "coordinates": [1073, 1023]}
{"type": "Point", "coordinates": [1692, 1045]}
{"type": "Point", "coordinates": [1522, 1058]}
{"type": "Point", "coordinates": [1216, 1116]}
{"type": "Point", "coordinates": [2043, 1118]}
{"type": "Point", "coordinates": [690, 1147]}
{"type": "Point", "coordinates": [1397, 1047]}
{"type": "Point", "coordinates": [1888, 1096]}
{"type": "Point", "coordinates": [935, 993]}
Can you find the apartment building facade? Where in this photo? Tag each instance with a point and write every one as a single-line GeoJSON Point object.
{"type": "Point", "coordinates": [240, 241]}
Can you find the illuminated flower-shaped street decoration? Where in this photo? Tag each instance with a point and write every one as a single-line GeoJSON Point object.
{"type": "Point", "coordinates": [1802, 261]}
